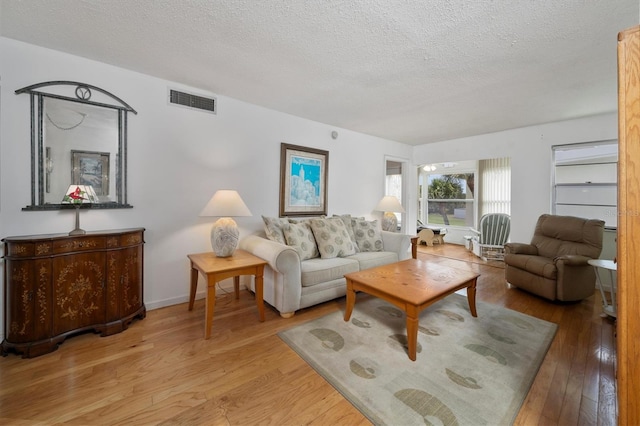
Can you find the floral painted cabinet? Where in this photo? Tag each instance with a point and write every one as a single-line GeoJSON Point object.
{"type": "Point", "coordinates": [59, 285]}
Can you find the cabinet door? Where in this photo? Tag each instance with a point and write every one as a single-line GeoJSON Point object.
{"type": "Point", "coordinates": [79, 291]}
{"type": "Point", "coordinates": [28, 301]}
{"type": "Point", "coordinates": [20, 301]}
{"type": "Point", "coordinates": [131, 280]}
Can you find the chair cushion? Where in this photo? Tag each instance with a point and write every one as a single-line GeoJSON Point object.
{"type": "Point", "coordinates": [316, 271]}
{"type": "Point", "coordinates": [538, 265]}
{"type": "Point", "coordinates": [560, 235]}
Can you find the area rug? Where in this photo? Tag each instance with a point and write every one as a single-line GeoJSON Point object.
{"type": "Point", "coordinates": [468, 371]}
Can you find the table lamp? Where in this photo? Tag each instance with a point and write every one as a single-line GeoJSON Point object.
{"type": "Point", "coordinates": [389, 205]}
{"type": "Point", "coordinates": [224, 233]}
{"type": "Point", "coordinates": [77, 195]}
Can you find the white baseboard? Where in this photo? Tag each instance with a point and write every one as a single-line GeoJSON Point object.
{"type": "Point", "coordinates": [157, 304]}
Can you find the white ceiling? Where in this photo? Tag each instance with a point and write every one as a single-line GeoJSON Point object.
{"type": "Point", "coordinates": [414, 71]}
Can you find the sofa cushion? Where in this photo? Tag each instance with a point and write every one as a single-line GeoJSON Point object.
{"type": "Point", "coordinates": [332, 238]}
{"type": "Point", "coordinates": [273, 228]}
{"type": "Point", "coordinates": [367, 235]}
{"type": "Point", "coordinates": [372, 259]}
{"type": "Point", "coordinates": [317, 271]}
{"type": "Point", "coordinates": [300, 237]}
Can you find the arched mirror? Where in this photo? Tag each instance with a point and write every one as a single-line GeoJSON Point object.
{"type": "Point", "coordinates": [78, 137]}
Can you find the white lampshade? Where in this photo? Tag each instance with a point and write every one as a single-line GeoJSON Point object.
{"type": "Point", "coordinates": [77, 195]}
{"type": "Point", "coordinates": [224, 232]}
{"type": "Point", "coordinates": [389, 203]}
{"type": "Point", "coordinates": [225, 203]}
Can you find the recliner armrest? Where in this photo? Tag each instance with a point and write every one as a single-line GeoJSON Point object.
{"type": "Point", "coordinates": [572, 259]}
{"type": "Point", "coordinates": [520, 248]}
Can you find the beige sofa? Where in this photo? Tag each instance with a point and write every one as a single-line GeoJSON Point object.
{"type": "Point", "coordinates": [293, 282]}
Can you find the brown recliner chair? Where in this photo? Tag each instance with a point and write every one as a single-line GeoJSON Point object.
{"type": "Point", "coordinates": [554, 265]}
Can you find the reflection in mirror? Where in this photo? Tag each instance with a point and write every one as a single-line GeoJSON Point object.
{"type": "Point", "coordinates": [78, 136]}
{"type": "Point", "coordinates": [81, 147]}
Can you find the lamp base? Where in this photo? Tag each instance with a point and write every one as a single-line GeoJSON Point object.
{"type": "Point", "coordinates": [389, 222]}
{"type": "Point", "coordinates": [224, 237]}
{"type": "Point", "coordinates": [77, 230]}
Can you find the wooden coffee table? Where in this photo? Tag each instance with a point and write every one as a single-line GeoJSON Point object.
{"type": "Point", "coordinates": [411, 285]}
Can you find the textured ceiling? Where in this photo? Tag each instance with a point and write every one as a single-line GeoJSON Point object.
{"type": "Point", "coordinates": [414, 71]}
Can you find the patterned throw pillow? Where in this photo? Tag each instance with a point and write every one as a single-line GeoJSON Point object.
{"type": "Point", "coordinates": [300, 237]}
{"type": "Point", "coordinates": [332, 238]}
{"type": "Point", "coordinates": [273, 228]}
{"type": "Point", "coordinates": [347, 219]}
{"type": "Point", "coordinates": [367, 235]}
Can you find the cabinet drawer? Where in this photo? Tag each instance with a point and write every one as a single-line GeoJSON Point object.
{"type": "Point", "coordinates": [79, 244]}
{"type": "Point", "coordinates": [28, 249]}
{"type": "Point", "coordinates": [125, 240]}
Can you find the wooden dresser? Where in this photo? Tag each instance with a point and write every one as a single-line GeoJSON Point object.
{"type": "Point", "coordinates": [58, 285]}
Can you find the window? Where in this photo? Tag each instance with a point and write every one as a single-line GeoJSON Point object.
{"type": "Point", "coordinates": [586, 181]}
{"type": "Point", "coordinates": [450, 198]}
{"type": "Point", "coordinates": [456, 194]}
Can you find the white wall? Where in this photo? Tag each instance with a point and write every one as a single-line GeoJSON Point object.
{"type": "Point", "coordinates": [531, 159]}
{"type": "Point", "coordinates": [177, 159]}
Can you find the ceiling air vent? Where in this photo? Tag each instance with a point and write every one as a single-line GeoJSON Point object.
{"type": "Point", "coordinates": [190, 100]}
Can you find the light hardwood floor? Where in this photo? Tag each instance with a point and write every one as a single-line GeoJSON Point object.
{"type": "Point", "coordinates": [161, 371]}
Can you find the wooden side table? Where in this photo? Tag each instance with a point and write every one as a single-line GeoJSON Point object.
{"type": "Point", "coordinates": [216, 269]}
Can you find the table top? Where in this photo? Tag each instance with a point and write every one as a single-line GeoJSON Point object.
{"type": "Point", "coordinates": [603, 263]}
{"type": "Point", "coordinates": [413, 280]}
{"type": "Point", "coordinates": [208, 262]}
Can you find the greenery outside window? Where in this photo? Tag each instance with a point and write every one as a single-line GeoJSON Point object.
{"type": "Point", "coordinates": [450, 199]}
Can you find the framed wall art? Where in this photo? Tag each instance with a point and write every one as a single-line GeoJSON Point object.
{"type": "Point", "coordinates": [91, 168]}
{"type": "Point", "coordinates": [303, 180]}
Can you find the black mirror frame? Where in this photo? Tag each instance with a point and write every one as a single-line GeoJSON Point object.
{"type": "Point", "coordinates": [82, 95]}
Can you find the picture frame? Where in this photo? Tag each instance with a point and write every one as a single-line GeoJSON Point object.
{"type": "Point", "coordinates": [303, 180]}
{"type": "Point", "coordinates": [91, 168]}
